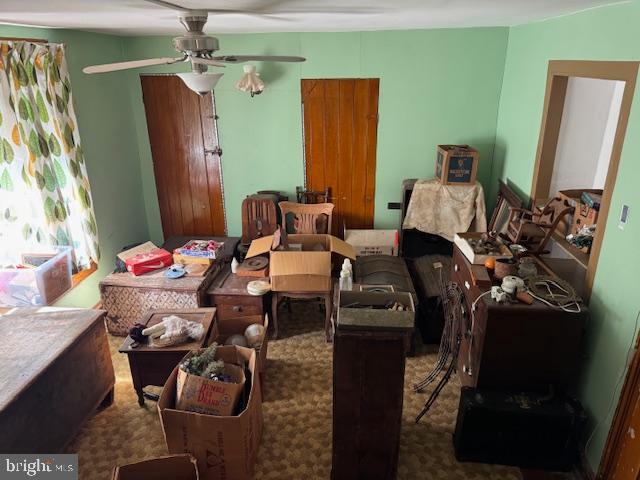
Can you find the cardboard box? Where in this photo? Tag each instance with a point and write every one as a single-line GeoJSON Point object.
{"type": "Point", "coordinates": [232, 326]}
{"type": "Point", "coordinates": [457, 164]}
{"type": "Point", "coordinates": [187, 259]}
{"type": "Point", "coordinates": [460, 239]}
{"type": "Point", "coordinates": [372, 242]}
{"type": "Point", "coordinates": [224, 447]}
{"type": "Point", "coordinates": [199, 394]}
{"type": "Point", "coordinates": [583, 215]}
{"type": "Point", "coordinates": [170, 467]}
{"type": "Point", "coordinates": [308, 270]}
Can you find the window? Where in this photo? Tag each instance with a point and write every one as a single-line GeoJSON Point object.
{"type": "Point", "coordinates": [45, 196]}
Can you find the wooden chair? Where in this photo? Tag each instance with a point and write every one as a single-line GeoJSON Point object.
{"type": "Point", "coordinates": [310, 196]}
{"type": "Point", "coordinates": [533, 229]}
{"type": "Point", "coordinates": [308, 217]}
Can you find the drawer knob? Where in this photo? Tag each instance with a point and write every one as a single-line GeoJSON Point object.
{"type": "Point", "coordinates": [456, 268]}
{"type": "Point", "coordinates": [237, 308]}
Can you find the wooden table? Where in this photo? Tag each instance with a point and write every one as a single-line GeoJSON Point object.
{"type": "Point", "coordinates": [153, 365]}
{"type": "Point", "coordinates": [277, 297]}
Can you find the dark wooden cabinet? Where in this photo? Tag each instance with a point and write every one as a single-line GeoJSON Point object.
{"type": "Point", "coordinates": [228, 293]}
{"type": "Point", "coordinates": [368, 380]}
{"type": "Point", "coordinates": [515, 346]}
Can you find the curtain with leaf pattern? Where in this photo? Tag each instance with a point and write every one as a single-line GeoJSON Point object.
{"type": "Point", "coordinates": [45, 197]}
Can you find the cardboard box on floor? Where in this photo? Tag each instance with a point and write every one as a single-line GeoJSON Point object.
{"type": "Point", "coordinates": [225, 447]}
{"type": "Point", "coordinates": [302, 271]}
{"type": "Point", "coordinates": [170, 467]}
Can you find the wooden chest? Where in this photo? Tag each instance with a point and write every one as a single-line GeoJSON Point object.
{"type": "Point", "coordinates": [55, 370]}
{"type": "Point", "coordinates": [515, 345]}
{"type": "Point", "coordinates": [127, 298]}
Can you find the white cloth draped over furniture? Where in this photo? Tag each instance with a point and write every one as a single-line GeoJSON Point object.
{"type": "Point", "coordinates": [446, 209]}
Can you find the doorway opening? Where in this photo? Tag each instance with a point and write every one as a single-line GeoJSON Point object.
{"type": "Point", "coordinates": [584, 121]}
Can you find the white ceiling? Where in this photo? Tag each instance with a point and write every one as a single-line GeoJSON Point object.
{"type": "Point", "coordinates": [138, 17]}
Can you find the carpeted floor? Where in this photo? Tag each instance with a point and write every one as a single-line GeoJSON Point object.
{"type": "Point", "coordinates": [296, 443]}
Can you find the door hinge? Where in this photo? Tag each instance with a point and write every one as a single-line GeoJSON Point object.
{"type": "Point", "coordinates": [215, 151]}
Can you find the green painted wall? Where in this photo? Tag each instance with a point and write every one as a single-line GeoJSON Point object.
{"type": "Point", "coordinates": [107, 132]}
{"type": "Point", "coordinates": [609, 33]}
{"type": "Point", "coordinates": [436, 86]}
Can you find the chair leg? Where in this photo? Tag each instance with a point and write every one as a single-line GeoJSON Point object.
{"type": "Point", "coordinates": [274, 315]}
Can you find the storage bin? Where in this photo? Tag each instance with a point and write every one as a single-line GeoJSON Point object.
{"type": "Point", "coordinates": [41, 285]}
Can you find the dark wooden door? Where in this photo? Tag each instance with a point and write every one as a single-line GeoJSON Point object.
{"type": "Point", "coordinates": [186, 161]}
{"type": "Point", "coordinates": [340, 136]}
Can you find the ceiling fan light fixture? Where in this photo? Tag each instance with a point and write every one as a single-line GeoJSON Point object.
{"type": "Point", "coordinates": [201, 83]}
{"type": "Point", "coordinates": [250, 81]}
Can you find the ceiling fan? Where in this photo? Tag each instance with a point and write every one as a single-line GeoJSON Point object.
{"type": "Point", "coordinates": [195, 48]}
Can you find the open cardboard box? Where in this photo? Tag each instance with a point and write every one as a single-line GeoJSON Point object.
{"type": "Point", "coordinates": [232, 326]}
{"type": "Point", "coordinates": [224, 446]}
{"type": "Point", "coordinates": [170, 467]}
{"type": "Point", "coordinates": [308, 270]}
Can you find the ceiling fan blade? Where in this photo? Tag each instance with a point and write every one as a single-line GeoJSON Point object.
{"type": "Point", "coordinates": [257, 58]}
{"type": "Point", "coordinates": [113, 67]}
{"type": "Point", "coordinates": [207, 61]}
{"type": "Point", "coordinates": [170, 5]}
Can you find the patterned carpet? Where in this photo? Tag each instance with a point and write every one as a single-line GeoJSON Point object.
{"type": "Point", "coordinates": [297, 417]}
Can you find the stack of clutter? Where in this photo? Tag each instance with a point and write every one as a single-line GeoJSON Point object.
{"type": "Point", "coordinates": [209, 385]}
{"type": "Point", "coordinates": [211, 407]}
{"type": "Point", "coordinates": [198, 251]}
{"type": "Point", "coordinates": [173, 330]}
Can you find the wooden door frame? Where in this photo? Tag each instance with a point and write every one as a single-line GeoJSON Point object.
{"type": "Point", "coordinates": [629, 396]}
{"type": "Point", "coordinates": [214, 125]}
{"type": "Point", "coordinates": [558, 74]}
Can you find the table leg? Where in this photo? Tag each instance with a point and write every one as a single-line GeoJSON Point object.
{"type": "Point", "coordinates": [274, 314]}
{"type": "Point", "coordinates": [328, 303]}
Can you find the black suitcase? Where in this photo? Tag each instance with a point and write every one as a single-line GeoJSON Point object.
{"type": "Point", "coordinates": [522, 430]}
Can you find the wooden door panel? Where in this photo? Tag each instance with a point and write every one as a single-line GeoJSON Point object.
{"type": "Point", "coordinates": [182, 130]}
{"type": "Point", "coordinates": [340, 128]}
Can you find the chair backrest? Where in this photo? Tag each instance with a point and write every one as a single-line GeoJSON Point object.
{"type": "Point", "coordinates": [308, 217]}
{"type": "Point", "coordinates": [311, 196]}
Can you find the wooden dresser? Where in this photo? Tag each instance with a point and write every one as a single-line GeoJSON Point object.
{"type": "Point", "coordinates": [515, 345]}
{"type": "Point", "coordinates": [228, 293]}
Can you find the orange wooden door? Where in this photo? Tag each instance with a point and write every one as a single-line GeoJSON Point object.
{"type": "Point", "coordinates": [340, 137]}
{"type": "Point", "coordinates": [186, 160]}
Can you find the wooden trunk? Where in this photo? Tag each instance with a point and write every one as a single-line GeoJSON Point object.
{"type": "Point", "coordinates": [55, 371]}
{"type": "Point", "coordinates": [127, 298]}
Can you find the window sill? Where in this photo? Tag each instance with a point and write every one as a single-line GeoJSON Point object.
{"type": "Point", "coordinates": [81, 276]}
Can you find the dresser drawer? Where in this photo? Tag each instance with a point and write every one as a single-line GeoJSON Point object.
{"type": "Point", "coordinates": [233, 306]}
